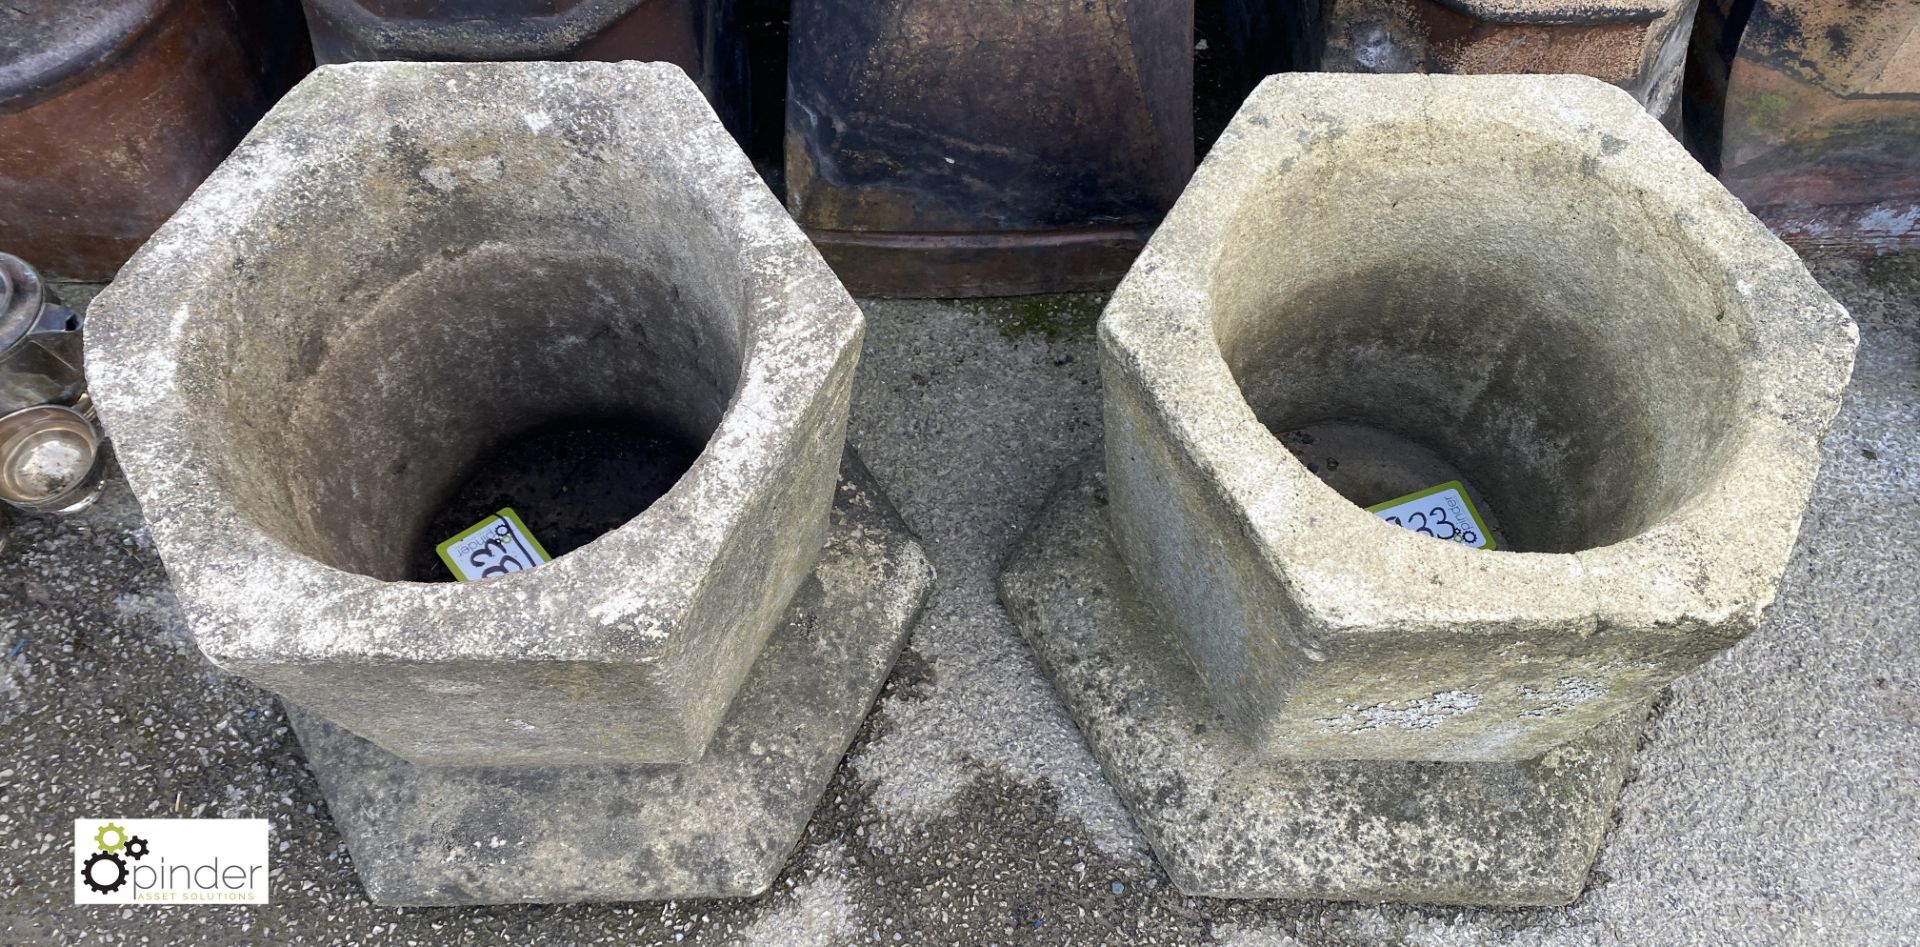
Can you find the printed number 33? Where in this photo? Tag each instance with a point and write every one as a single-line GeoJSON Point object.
{"type": "Point", "coordinates": [1436, 518]}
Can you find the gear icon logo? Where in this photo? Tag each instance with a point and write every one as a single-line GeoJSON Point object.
{"type": "Point", "coordinates": [118, 833]}
{"type": "Point", "coordinates": [94, 871]}
{"type": "Point", "coordinates": [108, 869]}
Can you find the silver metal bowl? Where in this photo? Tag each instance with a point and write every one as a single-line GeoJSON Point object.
{"type": "Point", "coordinates": [49, 460]}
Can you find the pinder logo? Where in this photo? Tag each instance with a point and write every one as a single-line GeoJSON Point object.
{"type": "Point", "coordinates": [170, 861]}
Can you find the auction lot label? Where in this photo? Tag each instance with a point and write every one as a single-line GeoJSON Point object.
{"type": "Point", "coordinates": [1443, 512]}
{"type": "Point", "coordinates": [170, 861]}
{"type": "Point", "coordinates": [497, 545]}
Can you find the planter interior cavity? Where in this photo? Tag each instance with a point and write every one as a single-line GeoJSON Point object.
{"type": "Point", "coordinates": [362, 443]}
{"type": "Point", "coordinates": [1559, 354]}
{"type": "Point", "coordinates": [1369, 465]}
{"type": "Point", "coordinates": [575, 481]}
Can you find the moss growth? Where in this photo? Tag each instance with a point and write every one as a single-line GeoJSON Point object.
{"type": "Point", "coordinates": [1767, 109]}
{"type": "Point", "coordinates": [1053, 316]}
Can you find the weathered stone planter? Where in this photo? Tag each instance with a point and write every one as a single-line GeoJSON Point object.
{"type": "Point", "coordinates": [1555, 305]}
{"type": "Point", "coordinates": [413, 277]}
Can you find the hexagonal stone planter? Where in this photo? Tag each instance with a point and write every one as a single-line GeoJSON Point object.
{"type": "Point", "coordinates": [421, 292]}
{"type": "Point", "coordinates": [1556, 306]}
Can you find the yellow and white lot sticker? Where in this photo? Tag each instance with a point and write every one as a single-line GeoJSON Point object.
{"type": "Point", "coordinates": [497, 545]}
{"type": "Point", "coordinates": [1443, 512]}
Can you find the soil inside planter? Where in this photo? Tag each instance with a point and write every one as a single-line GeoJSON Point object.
{"type": "Point", "coordinates": [570, 485]}
{"type": "Point", "coordinates": [1369, 466]}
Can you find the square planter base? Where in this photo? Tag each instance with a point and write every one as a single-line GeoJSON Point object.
{"type": "Point", "coordinates": [721, 826]}
{"type": "Point", "coordinates": [1225, 823]}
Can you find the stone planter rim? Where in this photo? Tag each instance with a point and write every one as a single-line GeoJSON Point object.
{"type": "Point", "coordinates": [134, 362]}
{"type": "Point", "coordinates": [1157, 329]}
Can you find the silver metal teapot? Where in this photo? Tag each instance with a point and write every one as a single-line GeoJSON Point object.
{"type": "Point", "coordinates": [49, 440]}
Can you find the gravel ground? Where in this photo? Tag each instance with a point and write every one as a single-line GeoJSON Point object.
{"type": "Point", "coordinates": [1773, 800]}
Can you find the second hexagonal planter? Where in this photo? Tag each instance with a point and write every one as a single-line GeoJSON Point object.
{"type": "Point", "coordinates": [419, 293]}
{"type": "Point", "coordinates": [1555, 306]}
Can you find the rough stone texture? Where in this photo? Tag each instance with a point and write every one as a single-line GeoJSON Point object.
{"type": "Point", "coordinates": [1810, 111]}
{"type": "Point", "coordinates": [1769, 805]}
{"type": "Point", "coordinates": [1626, 367]}
{"type": "Point", "coordinates": [1227, 824]}
{"type": "Point", "coordinates": [1638, 45]}
{"type": "Point", "coordinates": [707, 38]}
{"type": "Point", "coordinates": [721, 826]}
{"type": "Point", "coordinates": [408, 265]}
